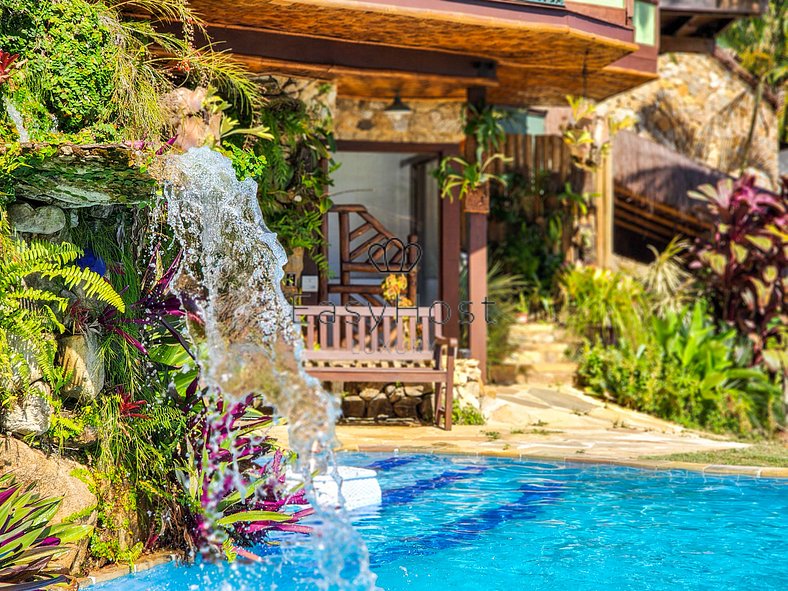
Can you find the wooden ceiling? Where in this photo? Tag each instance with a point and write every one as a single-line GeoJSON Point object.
{"type": "Point", "coordinates": [539, 52]}
{"type": "Point", "coordinates": [542, 86]}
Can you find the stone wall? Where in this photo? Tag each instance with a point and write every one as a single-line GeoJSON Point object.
{"type": "Point", "coordinates": [319, 96]}
{"type": "Point", "coordinates": [701, 106]}
{"type": "Point", "coordinates": [430, 122]}
{"type": "Point", "coordinates": [398, 403]}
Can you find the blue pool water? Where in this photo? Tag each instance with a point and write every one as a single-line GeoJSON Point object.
{"type": "Point", "coordinates": [461, 523]}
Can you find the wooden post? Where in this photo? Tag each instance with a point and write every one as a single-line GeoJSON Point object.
{"type": "Point", "coordinates": [450, 263]}
{"type": "Point", "coordinates": [603, 182]}
{"type": "Point", "coordinates": [477, 287]}
{"type": "Point", "coordinates": [477, 261]}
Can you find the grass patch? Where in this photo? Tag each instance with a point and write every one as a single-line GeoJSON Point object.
{"type": "Point", "coordinates": [760, 454]}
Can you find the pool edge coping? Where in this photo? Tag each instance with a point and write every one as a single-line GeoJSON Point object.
{"type": "Point", "coordinates": [116, 571]}
{"type": "Point", "coordinates": [717, 469]}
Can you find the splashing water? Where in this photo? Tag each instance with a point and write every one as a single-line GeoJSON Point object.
{"type": "Point", "coordinates": [248, 343]}
{"type": "Point", "coordinates": [16, 119]}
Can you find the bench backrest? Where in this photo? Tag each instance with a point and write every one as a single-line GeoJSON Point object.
{"type": "Point", "coordinates": [369, 332]}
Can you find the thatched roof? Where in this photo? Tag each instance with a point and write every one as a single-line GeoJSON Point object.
{"type": "Point", "coordinates": [651, 170]}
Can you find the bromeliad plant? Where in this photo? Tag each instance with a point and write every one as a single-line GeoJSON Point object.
{"type": "Point", "coordinates": [745, 261]}
{"type": "Point", "coordinates": [228, 485]}
{"type": "Point", "coordinates": [28, 543]}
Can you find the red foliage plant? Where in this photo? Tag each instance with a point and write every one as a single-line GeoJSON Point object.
{"type": "Point", "coordinates": [6, 64]}
{"type": "Point", "coordinates": [746, 258]}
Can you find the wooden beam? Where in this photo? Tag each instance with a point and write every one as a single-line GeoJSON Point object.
{"type": "Point", "coordinates": [638, 230]}
{"type": "Point", "coordinates": [669, 223]}
{"type": "Point", "coordinates": [638, 221]}
{"type": "Point", "coordinates": [669, 44]}
{"type": "Point", "coordinates": [738, 8]}
{"type": "Point", "coordinates": [671, 211]}
{"type": "Point", "coordinates": [450, 260]}
{"type": "Point", "coordinates": [603, 181]}
{"type": "Point", "coordinates": [350, 57]}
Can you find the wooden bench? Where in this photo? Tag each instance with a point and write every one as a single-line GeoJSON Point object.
{"type": "Point", "coordinates": [380, 345]}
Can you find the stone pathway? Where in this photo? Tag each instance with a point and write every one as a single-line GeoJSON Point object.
{"type": "Point", "coordinates": [549, 422]}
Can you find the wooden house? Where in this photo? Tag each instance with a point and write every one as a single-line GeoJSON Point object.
{"type": "Point", "coordinates": [401, 73]}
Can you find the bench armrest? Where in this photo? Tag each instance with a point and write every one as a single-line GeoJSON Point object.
{"type": "Point", "coordinates": [451, 352]}
{"type": "Point", "coordinates": [449, 342]}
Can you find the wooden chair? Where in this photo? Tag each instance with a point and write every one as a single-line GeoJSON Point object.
{"type": "Point", "coordinates": [381, 344]}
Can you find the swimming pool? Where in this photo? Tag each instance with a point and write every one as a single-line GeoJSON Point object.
{"type": "Point", "coordinates": [462, 523]}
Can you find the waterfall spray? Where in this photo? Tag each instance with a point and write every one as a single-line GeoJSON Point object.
{"type": "Point", "coordinates": [247, 343]}
{"type": "Point", "coordinates": [16, 119]}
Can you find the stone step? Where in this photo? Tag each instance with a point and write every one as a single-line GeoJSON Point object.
{"type": "Point", "coordinates": [534, 327]}
{"type": "Point", "coordinates": [538, 356]}
{"type": "Point", "coordinates": [559, 372]}
{"type": "Point", "coordinates": [524, 334]}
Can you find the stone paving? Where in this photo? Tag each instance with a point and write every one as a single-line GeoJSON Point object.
{"type": "Point", "coordinates": [556, 422]}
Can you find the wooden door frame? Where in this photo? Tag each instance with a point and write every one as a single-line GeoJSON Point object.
{"type": "Point", "coordinates": [450, 214]}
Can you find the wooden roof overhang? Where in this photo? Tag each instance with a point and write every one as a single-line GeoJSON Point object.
{"type": "Point", "coordinates": [524, 53]}
{"type": "Point", "coordinates": [691, 25]}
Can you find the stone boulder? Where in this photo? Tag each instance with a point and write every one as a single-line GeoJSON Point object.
{"type": "Point", "coordinates": [353, 407]}
{"type": "Point", "coordinates": [369, 394]}
{"type": "Point", "coordinates": [79, 355]}
{"type": "Point", "coordinates": [48, 219]}
{"type": "Point", "coordinates": [379, 407]}
{"type": "Point", "coordinates": [30, 415]}
{"type": "Point", "coordinates": [52, 477]}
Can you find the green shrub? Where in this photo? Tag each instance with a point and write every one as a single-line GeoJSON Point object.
{"type": "Point", "coordinates": [603, 305]}
{"type": "Point", "coordinates": [465, 415]}
{"type": "Point", "coordinates": [687, 371]}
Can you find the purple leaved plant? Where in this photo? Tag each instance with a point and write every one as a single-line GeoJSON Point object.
{"type": "Point", "coordinates": [28, 543]}
{"type": "Point", "coordinates": [157, 305]}
{"type": "Point", "coordinates": [241, 477]}
{"type": "Point", "coordinates": [746, 259]}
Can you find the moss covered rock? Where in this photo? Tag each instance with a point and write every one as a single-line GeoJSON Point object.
{"type": "Point", "coordinates": [82, 176]}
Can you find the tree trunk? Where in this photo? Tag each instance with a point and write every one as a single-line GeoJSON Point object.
{"type": "Point", "coordinates": [745, 154]}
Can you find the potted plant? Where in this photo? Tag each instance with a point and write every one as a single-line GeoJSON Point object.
{"type": "Point", "coordinates": [472, 179]}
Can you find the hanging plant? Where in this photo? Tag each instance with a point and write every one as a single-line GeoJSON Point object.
{"type": "Point", "coordinates": [472, 179]}
{"type": "Point", "coordinates": [588, 135]}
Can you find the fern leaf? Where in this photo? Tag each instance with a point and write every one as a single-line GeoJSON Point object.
{"type": "Point", "coordinates": [94, 284]}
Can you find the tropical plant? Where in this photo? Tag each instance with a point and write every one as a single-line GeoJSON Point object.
{"type": "Point", "coordinates": [28, 543]}
{"type": "Point", "coordinates": [685, 370]}
{"type": "Point", "coordinates": [761, 44]}
{"type": "Point", "coordinates": [600, 304]}
{"type": "Point", "coordinates": [455, 172]}
{"type": "Point", "coordinates": [29, 315]}
{"type": "Point", "coordinates": [93, 67]}
{"type": "Point", "coordinates": [583, 133]}
{"type": "Point", "coordinates": [745, 260]}
{"type": "Point", "coordinates": [666, 279]}
{"type": "Point", "coordinates": [290, 171]}
{"type": "Point", "coordinates": [456, 175]}
{"type": "Point", "coordinates": [249, 505]}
